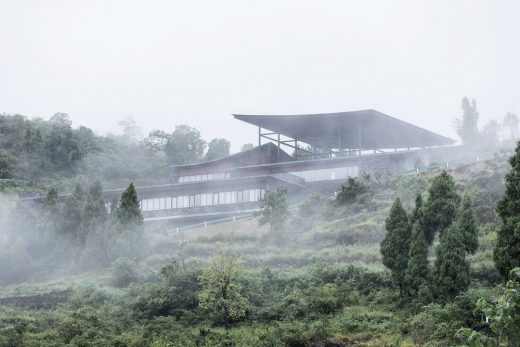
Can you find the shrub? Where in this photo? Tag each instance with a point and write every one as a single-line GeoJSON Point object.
{"type": "Point", "coordinates": [123, 272]}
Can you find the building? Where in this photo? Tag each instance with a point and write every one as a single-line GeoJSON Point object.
{"type": "Point", "coordinates": [304, 153]}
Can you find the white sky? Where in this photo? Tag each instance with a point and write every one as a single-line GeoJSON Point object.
{"type": "Point", "coordinates": [196, 62]}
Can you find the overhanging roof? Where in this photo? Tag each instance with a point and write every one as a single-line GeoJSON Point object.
{"type": "Point", "coordinates": [367, 129]}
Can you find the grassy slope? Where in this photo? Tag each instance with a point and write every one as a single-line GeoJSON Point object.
{"type": "Point", "coordinates": [352, 237]}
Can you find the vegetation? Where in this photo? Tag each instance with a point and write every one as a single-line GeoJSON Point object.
{"type": "Point", "coordinates": [392, 260]}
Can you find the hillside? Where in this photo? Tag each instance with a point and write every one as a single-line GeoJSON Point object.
{"type": "Point", "coordinates": [319, 282]}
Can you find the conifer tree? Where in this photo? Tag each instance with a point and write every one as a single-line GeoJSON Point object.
{"type": "Point", "coordinates": [396, 244]}
{"type": "Point", "coordinates": [417, 211]}
{"type": "Point", "coordinates": [441, 207]}
{"type": "Point", "coordinates": [95, 212]}
{"type": "Point", "coordinates": [507, 248]}
{"type": "Point", "coordinates": [417, 270]}
{"type": "Point", "coordinates": [129, 211]}
{"type": "Point", "coordinates": [467, 225]}
{"type": "Point", "coordinates": [73, 212]}
{"type": "Point", "coordinates": [451, 272]}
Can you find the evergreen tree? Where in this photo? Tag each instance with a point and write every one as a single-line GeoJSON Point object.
{"type": "Point", "coordinates": [417, 270]}
{"type": "Point", "coordinates": [417, 211]}
{"type": "Point", "coordinates": [396, 244]}
{"type": "Point", "coordinates": [467, 225]}
{"type": "Point", "coordinates": [95, 212]}
{"type": "Point", "coordinates": [129, 211]}
{"type": "Point", "coordinates": [73, 213]}
{"type": "Point", "coordinates": [507, 248]}
{"type": "Point", "coordinates": [451, 272]}
{"type": "Point", "coordinates": [440, 209]}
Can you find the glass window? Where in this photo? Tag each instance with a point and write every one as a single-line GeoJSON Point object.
{"type": "Point", "coordinates": [192, 201]}
{"type": "Point", "coordinates": [221, 198]}
{"type": "Point", "coordinates": [215, 198]}
{"type": "Point", "coordinates": [155, 204]}
{"type": "Point", "coordinates": [234, 197]}
{"type": "Point", "coordinates": [168, 203]}
{"type": "Point", "coordinates": [246, 195]}
{"type": "Point", "coordinates": [204, 177]}
{"type": "Point", "coordinates": [239, 197]}
{"type": "Point", "coordinates": [262, 193]}
{"type": "Point", "coordinates": [323, 175]}
{"type": "Point", "coordinates": [174, 202]}
{"type": "Point", "coordinates": [197, 200]}
{"type": "Point", "coordinates": [210, 177]}
{"type": "Point", "coordinates": [229, 198]}
{"type": "Point", "coordinates": [252, 195]}
{"type": "Point", "coordinates": [186, 201]}
{"type": "Point", "coordinates": [228, 175]}
{"type": "Point", "coordinates": [198, 177]}
{"type": "Point", "coordinates": [203, 200]}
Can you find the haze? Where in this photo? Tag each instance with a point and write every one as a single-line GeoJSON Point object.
{"type": "Point", "coordinates": [167, 63]}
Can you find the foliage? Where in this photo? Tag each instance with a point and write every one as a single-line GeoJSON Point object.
{"type": "Point", "coordinates": [123, 272]}
{"type": "Point", "coordinates": [396, 244]}
{"type": "Point", "coordinates": [451, 270]}
{"type": "Point", "coordinates": [217, 148]}
{"type": "Point", "coordinates": [503, 317]}
{"type": "Point", "coordinates": [466, 225]}
{"type": "Point", "coordinates": [351, 190]}
{"type": "Point", "coordinates": [222, 292]}
{"type": "Point", "coordinates": [184, 145]}
{"type": "Point", "coordinates": [467, 126]}
{"type": "Point", "coordinates": [129, 211]}
{"type": "Point", "coordinates": [274, 209]}
{"type": "Point", "coordinates": [507, 249]}
{"type": "Point", "coordinates": [441, 207]}
{"type": "Point", "coordinates": [417, 269]}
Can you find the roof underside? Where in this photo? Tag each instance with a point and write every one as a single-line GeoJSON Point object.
{"type": "Point", "coordinates": [368, 129]}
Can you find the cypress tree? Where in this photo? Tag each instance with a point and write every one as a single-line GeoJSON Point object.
{"type": "Point", "coordinates": [451, 272]}
{"type": "Point", "coordinates": [396, 244]}
{"type": "Point", "coordinates": [73, 212]}
{"type": "Point", "coordinates": [467, 225]}
{"type": "Point", "coordinates": [507, 248]}
{"type": "Point", "coordinates": [95, 212]}
{"type": "Point", "coordinates": [129, 211]}
{"type": "Point", "coordinates": [441, 207]}
{"type": "Point", "coordinates": [417, 270]}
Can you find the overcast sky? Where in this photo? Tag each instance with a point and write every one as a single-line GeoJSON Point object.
{"type": "Point", "coordinates": [197, 62]}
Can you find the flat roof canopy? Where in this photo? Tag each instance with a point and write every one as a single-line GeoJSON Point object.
{"type": "Point", "coordinates": [367, 129]}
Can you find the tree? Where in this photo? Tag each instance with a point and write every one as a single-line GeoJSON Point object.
{"type": "Point", "coordinates": [417, 269]}
{"type": "Point", "coordinates": [351, 190]}
{"type": "Point", "coordinates": [217, 148]}
{"type": "Point", "coordinates": [503, 317]}
{"type": "Point", "coordinates": [451, 271]}
{"type": "Point", "coordinates": [73, 213]}
{"type": "Point", "coordinates": [511, 123]}
{"type": "Point", "coordinates": [490, 134]}
{"type": "Point", "coordinates": [467, 126]}
{"type": "Point", "coordinates": [222, 289]}
{"type": "Point", "coordinates": [467, 226]}
{"type": "Point", "coordinates": [396, 244]}
{"type": "Point", "coordinates": [184, 146]}
{"type": "Point", "coordinates": [507, 248]}
{"type": "Point", "coordinates": [441, 207]}
{"type": "Point", "coordinates": [247, 147]}
{"type": "Point", "coordinates": [274, 209]}
{"type": "Point", "coordinates": [128, 211]}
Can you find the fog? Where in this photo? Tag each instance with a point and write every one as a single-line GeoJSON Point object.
{"type": "Point", "coordinates": [167, 63]}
